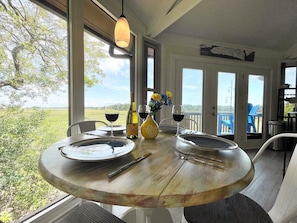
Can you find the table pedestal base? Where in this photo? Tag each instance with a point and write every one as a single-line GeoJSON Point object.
{"type": "Point", "coordinates": [147, 215]}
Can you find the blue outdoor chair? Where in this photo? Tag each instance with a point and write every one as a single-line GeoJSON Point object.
{"type": "Point", "coordinates": [251, 118]}
{"type": "Point", "coordinates": [229, 122]}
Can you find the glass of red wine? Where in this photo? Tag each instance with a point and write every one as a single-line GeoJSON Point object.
{"type": "Point", "coordinates": [178, 115]}
{"type": "Point", "coordinates": [111, 114]}
{"type": "Point", "coordinates": [143, 111]}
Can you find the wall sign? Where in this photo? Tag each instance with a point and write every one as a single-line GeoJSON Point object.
{"type": "Point", "coordinates": [226, 52]}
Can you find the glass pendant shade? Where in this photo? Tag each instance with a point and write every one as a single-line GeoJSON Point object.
{"type": "Point", "coordinates": [122, 32]}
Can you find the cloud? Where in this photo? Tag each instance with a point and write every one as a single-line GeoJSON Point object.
{"type": "Point", "coordinates": [191, 87]}
{"type": "Point", "coordinates": [115, 67]}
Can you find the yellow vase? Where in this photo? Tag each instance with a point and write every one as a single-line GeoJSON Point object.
{"type": "Point", "coordinates": [149, 128]}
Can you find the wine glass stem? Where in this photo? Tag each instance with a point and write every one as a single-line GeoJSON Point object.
{"type": "Point", "coordinates": [177, 129]}
{"type": "Point", "coordinates": [111, 129]}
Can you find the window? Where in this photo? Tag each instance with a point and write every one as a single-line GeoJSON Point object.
{"type": "Point", "coordinates": [108, 79]}
{"type": "Point", "coordinates": [151, 68]}
{"type": "Point", "coordinates": [226, 103]}
{"type": "Point", "coordinates": [34, 107]}
{"type": "Point", "coordinates": [34, 103]}
{"type": "Point", "coordinates": [255, 104]}
{"type": "Point", "coordinates": [290, 92]}
{"type": "Point", "coordinates": [192, 92]}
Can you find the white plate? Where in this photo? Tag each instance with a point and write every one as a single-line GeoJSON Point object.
{"type": "Point", "coordinates": [92, 150]}
{"type": "Point", "coordinates": [116, 128]}
{"type": "Point", "coordinates": [207, 142]}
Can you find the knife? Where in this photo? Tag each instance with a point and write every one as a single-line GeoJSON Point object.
{"type": "Point", "coordinates": [126, 166]}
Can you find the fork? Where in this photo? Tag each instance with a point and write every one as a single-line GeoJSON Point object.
{"type": "Point", "coordinates": [198, 155]}
{"type": "Point", "coordinates": [183, 157]}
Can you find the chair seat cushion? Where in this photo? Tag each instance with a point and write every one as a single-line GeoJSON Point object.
{"type": "Point", "coordinates": [89, 212]}
{"type": "Point", "coordinates": [236, 209]}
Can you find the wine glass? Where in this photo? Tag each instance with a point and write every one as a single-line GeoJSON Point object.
{"type": "Point", "coordinates": [143, 111]}
{"type": "Point", "coordinates": [178, 115]}
{"type": "Point", "coordinates": [111, 114]}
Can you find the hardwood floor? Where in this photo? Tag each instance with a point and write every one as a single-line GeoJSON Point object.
{"type": "Point", "coordinates": [266, 183]}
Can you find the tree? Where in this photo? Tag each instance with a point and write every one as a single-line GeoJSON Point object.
{"type": "Point", "coordinates": [33, 52]}
{"type": "Point", "coordinates": [33, 63]}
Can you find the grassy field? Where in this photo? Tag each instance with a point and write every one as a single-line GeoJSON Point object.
{"type": "Point", "coordinates": [56, 114]}
{"type": "Point", "coordinates": [94, 114]}
{"type": "Point", "coordinates": [59, 118]}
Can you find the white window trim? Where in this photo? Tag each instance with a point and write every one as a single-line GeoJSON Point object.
{"type": "Point", "coordinates": [54, 211]}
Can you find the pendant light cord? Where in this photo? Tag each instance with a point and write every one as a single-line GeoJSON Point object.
{"type": "Point", "coordinates": [123, 8]}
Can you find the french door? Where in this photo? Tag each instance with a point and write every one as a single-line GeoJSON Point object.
{"type": "Point", "coordinates": [225, 100]}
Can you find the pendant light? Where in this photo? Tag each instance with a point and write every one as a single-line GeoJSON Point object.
{"type": "Point", "coordinates": [122, 30]}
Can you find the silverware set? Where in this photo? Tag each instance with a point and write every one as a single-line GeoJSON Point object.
{"type": "Point", "coordinates": [194, 157]}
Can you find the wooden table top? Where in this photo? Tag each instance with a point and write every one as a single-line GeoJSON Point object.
{"type": "Point", "coordinates": [161, 180]}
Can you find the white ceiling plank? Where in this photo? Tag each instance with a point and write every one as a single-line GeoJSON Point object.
{"type": "Point", "coordinates": [163, 21]}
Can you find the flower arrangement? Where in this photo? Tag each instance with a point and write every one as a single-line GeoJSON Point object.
{"type": "Point", "coordinates": [157, 100]}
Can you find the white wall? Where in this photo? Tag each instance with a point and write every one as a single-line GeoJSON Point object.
{"type": "Point", "coordinates": [189, 48]}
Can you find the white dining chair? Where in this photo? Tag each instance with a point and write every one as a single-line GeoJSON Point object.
{"type": "Point", "coordinates": [89, 212]}
{"type": "Point", "coordinates": [186, 123]}
{"type": "Point", "coordinates": [240, 208]}
{"type": "Point", "coordinates": [84, 126]}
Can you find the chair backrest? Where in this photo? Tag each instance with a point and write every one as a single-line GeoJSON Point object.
{"type": "Point", "coordinates": [285, 206]}
{"type": "Point", "coordinates": [84, 126]}
{"type": "Point", "coordinates": [254, 110]}
{"type": "Point", "coordinates": [270, 140]}
{"type": "Point", "coordinates": [250, 105]}
{"type": "Point", "coordinates": [186, 123]}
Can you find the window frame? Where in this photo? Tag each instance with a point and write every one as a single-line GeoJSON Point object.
{"type": "Point", "coordinates": [55, 210]}
{"type": "Point", "coordinates": [149, 43]}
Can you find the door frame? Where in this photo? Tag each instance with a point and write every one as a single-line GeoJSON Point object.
{"type": "Point", "coordinates": [209, 99]}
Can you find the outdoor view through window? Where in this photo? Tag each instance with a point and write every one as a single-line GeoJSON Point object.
{"type": "Point", "coordinates": [34, 99]}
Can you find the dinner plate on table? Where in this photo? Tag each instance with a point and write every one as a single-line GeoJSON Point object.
{"type": "Point", "coordinates": [93, 150]}
{"type": "Point", "coordinates": [207, 142]}
{"type": "Point", "coordinates": [116, 128]}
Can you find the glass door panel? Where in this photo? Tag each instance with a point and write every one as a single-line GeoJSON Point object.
{"type": "Point", "coordinates": [192, 85]}
{"type": "Point", "coordinates": [290, 92]}
{"type": "Point", "coordinates": [226, 103]}
{"type": "Point", "coordinates": [255, 104]}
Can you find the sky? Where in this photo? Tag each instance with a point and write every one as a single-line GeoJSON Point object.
{"type": "Point", "coordinates": [115, 87]}
{"type": "Point", "coordinates": [193, 84]}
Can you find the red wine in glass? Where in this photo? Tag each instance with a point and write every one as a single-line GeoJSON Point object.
{"type": "Point", "coordinates": [143, 111]}
{"type": "Point", "coordinates": [143, 115]}
{"type": "Point", "coordinates": [178, 117]}
{"type": "Point", "coordinates": [112, 117]}
{"type": "Point", "coordinates": [111, 114]}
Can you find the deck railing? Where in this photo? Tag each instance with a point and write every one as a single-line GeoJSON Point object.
{"type": "Point", "coordinates": [197, 117]}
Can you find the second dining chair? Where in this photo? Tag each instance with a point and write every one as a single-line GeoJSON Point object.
{"type": "Point", "coordinates": [89, 212]}
{"type": "Point", "coordinates": [187, 123]}
{"type": "Point", "coordinates": [84, 126]}
{"type": "Point", "coordinates": [240, 208]}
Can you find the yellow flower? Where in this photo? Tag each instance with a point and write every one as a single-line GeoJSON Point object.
{"type": "Point", "coordinates": [156, 97]}
{"type": "Point", "coordinates": [169, 94]}
{"type": "Point", "coordinates": [157, 100]}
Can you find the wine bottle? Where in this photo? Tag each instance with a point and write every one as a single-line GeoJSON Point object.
{"type": "Point", "coordinates": [132, 120]}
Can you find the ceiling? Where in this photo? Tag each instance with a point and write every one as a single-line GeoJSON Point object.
{"type": "Point", "coordinates": [266, 24]}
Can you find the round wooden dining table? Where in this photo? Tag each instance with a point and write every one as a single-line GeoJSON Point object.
{"type": "Point", "coordinates": [164, 179]}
